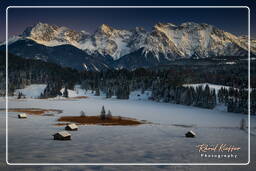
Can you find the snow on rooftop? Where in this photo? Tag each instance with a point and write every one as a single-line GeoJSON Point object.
{"type": "Point", "coordinates": [72, 126]}
{"type": "Point", "coordinates": [63, 133]}
{"type": "Point", "coordinates": [22, 115]}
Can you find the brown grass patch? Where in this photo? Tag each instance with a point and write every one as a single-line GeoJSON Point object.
{"type": "Point", "coordinates": [35, 111]}
{"type": "Point", "coordinates": [78, 97]}
{"type": "Point", "coordinates": [96, 120]}
{"type": "Point", "coordinates": [62, 124]}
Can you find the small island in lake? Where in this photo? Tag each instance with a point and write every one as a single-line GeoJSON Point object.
{"type": "Point", "coordinates": [102, 119]}
{"type": "Point", "coordinates": [96, 120]}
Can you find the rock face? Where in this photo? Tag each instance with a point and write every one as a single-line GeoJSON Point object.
{"type": "Point", "coordinates": [164, 43]}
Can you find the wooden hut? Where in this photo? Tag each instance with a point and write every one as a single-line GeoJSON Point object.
{"type": "Point", "coordinates": [190, 134]}
{"type": "Point", "coordinates": [22, 116]}
{"type": "Point", "coordinates": [71, 127]}
{"type": "Point", "coordinates": [63, 135]}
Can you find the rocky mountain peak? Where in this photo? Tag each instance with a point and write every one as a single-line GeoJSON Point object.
{"type": "Point", "coordinates": [161, 26]}
{"type": "Point", "coordinates": [195, 26]}
{"type": "Point", "coordinates": [52, 34]}
{"type": "Point", "coordinates": [166, 39]}
{"type": "Point", "coordinates": [104, 28]}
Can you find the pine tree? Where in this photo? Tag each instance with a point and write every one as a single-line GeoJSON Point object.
{"type": "Point", "coordinates": [231, 105]}
{"type": "Point", "coordinates": [206, 97]}
{"type": "Point", "coordinates": [109, 115]}
{"type": "Point", "coordinates": [82, 114]}
{"type": "Point", "coordinates": [103, 113]}
{"type": "Point", "coordinates": [109, 93]}
{"type": "Point", "coordinates": [214, 98]}
{"type": "Point", "coordinates": [189, 98]}
{"type": "Point", "coordinates": [65, 93]}
{"type": "Point", "coordinates": [253, 101]}
{"type": "Point", "coordinates": [123, 91]}
{"type": "Point", "coordinates": [19, 95]}
{"type": "Point", "coordinates": [166, 95]}
{"type": "Point", "coordinates": [97, 92]}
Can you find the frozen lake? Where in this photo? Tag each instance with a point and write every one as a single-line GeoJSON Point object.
{"type": "Point", "coordinates": [163, 141]}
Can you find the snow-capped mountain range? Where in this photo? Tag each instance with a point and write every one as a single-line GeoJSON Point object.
{"type": "Point", "coordinates": [165, 42]}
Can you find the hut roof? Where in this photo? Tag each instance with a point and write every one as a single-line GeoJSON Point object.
{"type": "Point", "coordinates": [72, 126]}
{"type": "Point", "coordinates": [63, 134]}
{"type": "Point", "coordinates": [190, 134]}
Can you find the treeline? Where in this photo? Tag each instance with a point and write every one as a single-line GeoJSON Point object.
{"type": "Point", "coordinates": [199, 96]}
{"type": "Point", "coordinates": [166, 84]}
{"type": "Point", "coordinates": [22, 72]}
{"type": "Point", "coordinates": [236, 100]}
{"type": "Point", "coordinates": [168, 87]}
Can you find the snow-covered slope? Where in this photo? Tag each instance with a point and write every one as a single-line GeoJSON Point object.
{"type": "Point", "coordinates": [203, 39]}
{"type": "Point", "coordinates": [11, 40]}
{"type": "Point", "coordinates": [165, 39]}
{"type": "Point", "coordinates": [78, 91]}
{"type": "Point", "coordinates": [32, 91]}
{"type": "Point", "coordinates": [108, 41]}
{"type": "Point", "coordinates": [138, 95]}
{"type": "Point", "coordinates": [244, 39]}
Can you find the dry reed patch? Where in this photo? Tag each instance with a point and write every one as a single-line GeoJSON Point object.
{"type": "Point", "coordinates": [35, 111]}
{"type": "Point", "coordinates": [96, 120]}
{"type": "Point", "coordinates": [78, 97]}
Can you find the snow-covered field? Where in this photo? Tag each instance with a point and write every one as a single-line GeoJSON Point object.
{"type": "Point", "coordinates": [35, 90]}
{"type": "Point", "coordinates": [163, 141]}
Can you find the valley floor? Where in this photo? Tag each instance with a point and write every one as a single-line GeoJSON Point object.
{"type": "Point", "coordinates": [30, 140]}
